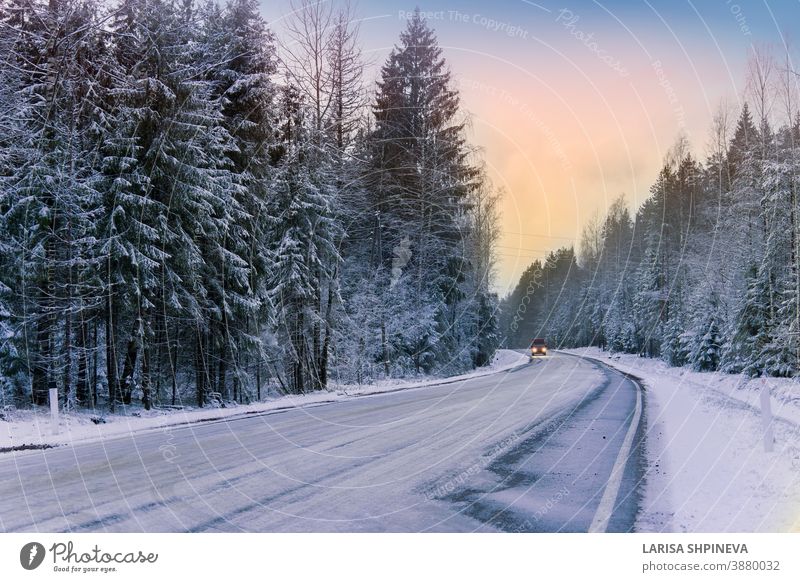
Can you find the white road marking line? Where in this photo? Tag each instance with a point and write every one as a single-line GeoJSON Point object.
{"type": "Point", "coordinates": [606, 507]}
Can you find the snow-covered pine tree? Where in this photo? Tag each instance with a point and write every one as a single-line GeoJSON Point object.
{"type": "Point", "coordinates": [421, 175]}
{"type": "Point", "coordinates": [778, 356]}
{"type": "Point", "coordinates": [13, 368]}
{"type": "Point", "coordinates": [304, 232]}
{"type": "Point", "coordinates": [50, 203]}
{"type": "Point", "coordinates": [323, 61]}
{"type": "Point", "coordinates": [706, 351]}
{"type": "Point", "coordinates": [240, 53]}
{"type": "Point", "coordinates": [613, 269]}
{"type": "Point", "coordinates": [588, 308]}
{"type": "Point", "coordinates": [168, 212]}
{"type": "Point", "coordinates": [754, 311]}
{"type": "Point", "coordinates": [650, 279]}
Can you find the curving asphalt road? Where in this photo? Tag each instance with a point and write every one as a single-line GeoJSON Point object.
{"type": "Point", "coordinates": [532, 449]}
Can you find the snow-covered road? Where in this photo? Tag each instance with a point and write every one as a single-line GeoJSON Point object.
{"type": "Point", "coordinates": [527, 449]}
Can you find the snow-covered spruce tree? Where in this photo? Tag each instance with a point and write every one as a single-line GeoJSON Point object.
{"type": "Point", "coordinates": [50, 202]}
{"type": "Point", "coordinates": [783, 356]}
{"type": "Point", "coordinates": [754, 310]}
{"type": "Point", "coordinates": [167, 204]}
{"type": "Point", "coordinates": [13, 368]}
{"type": "Point", "coordinates": [778, 355]}
{"type": "Point", "coordinates": [411, 328]}
{"type": "Point", "coordinates": [241, 56]}
{"type": "Point", "coordinates": [520, 308]}
{"type": "Point", "coordinates": [419, 181]}
{"type": "Point", "coordinates": [650, 297]}
{"type": "Point", "coordinates": [675, 342]}
{"type": "Point", "coordinates": [85, 254]}
{"type": "Point", "coordinates": [323, 61]}
{"type": "Point", "coordinates": [614, 266]}
{"type": "Point", "coordinates": [303, 235]}
{"type": "Point", "coordinates": [706, 351]}
{"type": "Point", "coordinates": [750, 329]}
{"type": "Point", "coordinates": [357, 341]}
{"type": "Point", "coordinates": [588, 311]}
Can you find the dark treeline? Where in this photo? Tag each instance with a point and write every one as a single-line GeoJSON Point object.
{"type": "Point", "coordinates": [706, 272]}
{"type": "Point", "coordinates": [191, 210]}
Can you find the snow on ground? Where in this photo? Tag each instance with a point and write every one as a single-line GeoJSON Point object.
{"type": "Point", "coordinates": [19, 428]}
{"type": "Point", "coordinates": [503, 360]}
{"type": "Point", "coordinates": [708, 470]}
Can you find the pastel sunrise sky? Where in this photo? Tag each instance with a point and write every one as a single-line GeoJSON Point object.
{"type": "Point", "coordinates": [574, 103]}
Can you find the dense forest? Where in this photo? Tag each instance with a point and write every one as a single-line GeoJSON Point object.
{"type": "Point", "coordinates": [193, 210]}
{"type": "Point", "coordinates": [706, 272]}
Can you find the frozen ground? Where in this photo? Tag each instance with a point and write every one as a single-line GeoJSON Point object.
{"type": "Point", "coordinates": [707, 468]}
{"type": "Point", "coordinates": [21, 428]}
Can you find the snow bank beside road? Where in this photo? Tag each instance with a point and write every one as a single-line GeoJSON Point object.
{"type": "Point", "coordinates": [32, 428]}
{"type": "Point", "coordinates": [707, 469]}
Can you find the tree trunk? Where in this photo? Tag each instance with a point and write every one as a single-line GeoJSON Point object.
{"type": "Point", "coordinates": [258, 380]}
{"type": "Point", "coordinates": [146, 382]}
{"type": "Point", "coordinates": [208, 362]}
{"type": "Point", "coordinates": [111, 353]}
{"type": "Point", "coordinates": [82, 381]}
{"type": "Point", "coordinates": [300, 356]}
{"type": "Point", "coordinates": [173, 360]}
{"type": "Point", "coordinates": [67, 355]}
{"type": "Point", "coordinates": [41, 379]}
{"type": "Point", "coordinates": [323, 361]}
{"type": "Point", "coordinates": [39, 374]}
{"type": "Point", "coordinates": [159, 341]}
{"type": "Point", "coordinates": [96, 355]}
{"type": "Point", "coordinates": [199, 368]}
{"type": "Point", "coordinates": [316, 354]}
{"type": "Point", "coordinates": [384, 347]}
{"type": "Point", "coordinates": [222, 370]}
{"type": "Point", "coordinates": [131, 355]}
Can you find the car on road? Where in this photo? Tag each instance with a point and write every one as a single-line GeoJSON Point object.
{"type": "Point", "coordinates": [538, 347]}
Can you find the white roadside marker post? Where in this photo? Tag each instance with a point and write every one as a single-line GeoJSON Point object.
{"type": "Point", "coordinates": [54, 410]}
{"type": "Point", "coordinates": [766, 417]}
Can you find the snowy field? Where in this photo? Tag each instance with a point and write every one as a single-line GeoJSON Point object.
{"type": "Point", "coordinates": [21, 428]}
{"type": "Point", "coordinates": [708, 471]}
